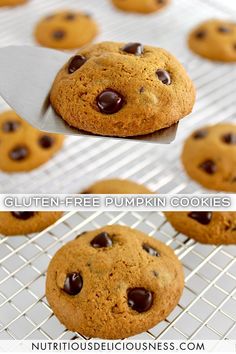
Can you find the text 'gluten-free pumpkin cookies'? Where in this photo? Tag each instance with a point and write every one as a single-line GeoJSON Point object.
{"type": "Point", "coordinates": [66, 30]}
{"type": "Point", "coordinates": [209, 157]}
{"type": "Point", "coordinates": [22, 147]}
{"type": "Point", "coordinates": [113, 283]}
{"type": "Point", "coordinates": [26, 222]}
{"type": "Point", "coordinates": [12, 2]}
{"type": "Point", "coordinates": [215, 228]}
{"type": "Point", "coordinates": [141, 6]}
{"type": "Point", "coordinates": [119, 89]}
{"type": "Point", "coordinates": [214, 40]}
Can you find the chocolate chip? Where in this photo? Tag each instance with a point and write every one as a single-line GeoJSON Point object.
{"type": "Point", "coordinates": [58, 34]}
{"type": "Point", "coordinates": [23, 215]}
{"type": "Point", "coordinates": [200, 134]}
{"type": "Point", "coordinates": [229, 138]}
{"type": "Point", "coordinates": [19, 153]}
{"type": "Point", "coordinates": [209, 167]}
{"type": "Point", "coordinates": [101, 240]}
{"type": "Point", "coordinates": [163, 76]}
{"type": "Point", "coordinates": [203, 217]}
{"type": "Point", "coordinates": [76, 62]}
{"type": "Point", "coordinates": [142, 89]}
{"type": "Point", "coordinates": [110, 102]}
{"type": "Point", "coordinates": [70, 17]}
{"type": "Point", "coordinates": [10, 126]}
{"type": "Point", "coordinates": [133, 48]}
{"type": "Point", "coordinates": [140, 299]}
{"type": "Point", "coordinates": [161, 2]}
{"type": "Point", "coordinates": [46, 141]}
{"type": "Point", "coordinates": [223, 29]}
{"type": "Point", "coordinates": [73, 284]}
{"type": "Point", "coordinates": [200, 34]}
{"type": "Point", "coordinates": [151, 250]}
{"type": "Point", "coordinates": [155, 273]}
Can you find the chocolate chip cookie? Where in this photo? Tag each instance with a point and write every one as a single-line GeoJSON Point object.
{"type": "Point", "coordinates": [141, 6]}
{"type": "Point", "coordinates": [22, 147]}
{"type": "Point", "coordinates": [26, 222]}
{"type": "Point", "coordinates": [113, 283]}
{"type": "Point", "coordinates": [215, 40]}
{"type": "Point", "coordinates": [209, 157]}
{"type": "Point", "coordinates": [66, 30]}
{"type": "Point", "coordinates": [12, 2]}
{"type": "Point", "coordinates": [116, 186]}
{"type": "Point", "coordinates": [118, 89]}
{"type": "Point", "coordinates": [206, 227]}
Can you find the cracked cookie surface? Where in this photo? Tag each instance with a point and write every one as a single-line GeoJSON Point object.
{"type": "Point", "coordinates": [113, 282]}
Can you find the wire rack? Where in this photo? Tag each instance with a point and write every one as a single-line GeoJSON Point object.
{"type": "Point", "coordinates": [73, 168]}
{"type": "Point", "coordinates": [207, 309]}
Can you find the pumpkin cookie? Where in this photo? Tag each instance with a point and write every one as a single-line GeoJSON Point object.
{"type": "Point", "coordinates": [141, 6]}
{"type": "Point", "coordinates": [118, 89]}
{"type": "Point", "coordinates": [12, 2]}
{"type": "Point", "coordinates": [66, 30]}
{"type": "Point", "coordinates": [23, 147]}
{"type": "Point", "coordinates": [113, 283]}
{"type": "Point", "coordinates": [116, 186]}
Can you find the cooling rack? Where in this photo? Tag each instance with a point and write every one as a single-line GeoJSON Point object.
{"type": "Point", "coordinates": [82, 159]}
{"type": "Point", "coordinates": [207, 309]}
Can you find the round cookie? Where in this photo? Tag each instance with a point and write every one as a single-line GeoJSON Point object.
{"type": "Point", "coordinates": [23, 147]}
{"type": "Point", "coordinates": [113, 283]}
{"type": "Point", "coordinates": [12, 2]}
{"type": "Point", "coordinates": [118, 89]}
{"type": "Point", "coordinates": [215, 228]}
{"type": "Point", "coordinates": [141, 6]}
{"type": "Point", "coordinates": [116, 186]}
{"type": "Point", "coordinates": [209, 157]}
{"type": "Point", "coordinates": [66, 30]}
{"type": "Point", "coordinates": [26, 222]}
{"type": "Point", "coordinates": [214, 40]}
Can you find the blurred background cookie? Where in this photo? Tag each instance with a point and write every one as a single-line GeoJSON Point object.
{"type": "Point", "coordinates": [209, 157]}
{"type": "Point", "coordinates": [26, 222]}
{"type": "Point", "coordinates": [116, 186]}
{"type": "Point", "coordinates": [141, 6]}
{"type": "Point", "coordinates": [215, 40]}
{"type": "Point", "coordinates": [12, 2]}
{"type": "Point", "coordinates": [23, 147]}
{"type": "Point", "coordinates": [206, 227]}
{"type": "Point", "coordinates": [66, 30]}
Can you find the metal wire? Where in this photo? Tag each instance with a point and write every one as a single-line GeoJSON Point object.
{"type": "Point", "coordinates": [206, 309]}
{"type": "Point", "coordinates": [72, 169]}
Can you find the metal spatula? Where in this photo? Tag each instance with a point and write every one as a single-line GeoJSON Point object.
{"type": "Point", "coordinates": [26, 76]}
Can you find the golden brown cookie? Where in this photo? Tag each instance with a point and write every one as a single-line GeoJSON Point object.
{"type": "Point", "coordinates": [113, 283]}
{"type": "Point", "coordinates": [118, 89]}
{"type": "Point", "coordinates": [26, 222]}
{"type": "Point", "coordinates": [209, 157]}
{"type": "Point", "coordinates": [66, 30]}
{"type": "Point", "coordinates": [23, 147]}
{"type": "Point", "coordinates": [215, 40]}
{"type": "Point", "coordinates": [12, 2]}
{"type": "Point", "coordinates": [117, 186]}
{"type": "Point", "coordinates": [206, 227]}
{"type": "Point", "coordinates": [141, 6]}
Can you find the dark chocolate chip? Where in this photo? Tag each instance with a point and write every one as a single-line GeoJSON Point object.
{"type": "Point", "coordinates": [23, 215]}
{"type": "Point", "coordinates": [150, 250]}
{"type": "Point", "coordinates": [70, 17]}
{"type": "Point", "coordinates": [142, 89]}
{"type": "Point", "coordinates": [200, 34]}
{"type": "Point", "coordinates": [161, 2]}
{"type": "Point", "coordinates": [140, 299]}
{"type": "Point", "coordinates": [110, 102]}
{"type": "Point", "coordinates": [133, 48]}
{"type": "Point", "coordinates": [203, 217]}
{"type": "Point", "coordinates": [155, 273]}
{"type": "Point", "coordinates": [19, 153]}
{"type": "Point", "coordinates": [209, 167]}
{"type": "Point", "coordinates": [101, 240]}
{"type": "Point", "coordinates": [229, 138]}
{"type": "Point", "coordinates": [10, 126]}
{"type": "Point", "coordinates": [76, 62]}
{"type": "Point", "coordinates": [223, 29]}
{"type": "Point", "coordinates": [73, 284]}
{"type": "Point", "coordinates": [58, 34]}
{"type": "Point", "coordinates": [200, 134]}
{"type": "Point", "coordinates": [46, 141]}
{"type": "Point", "coordinates": [163, 76]}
